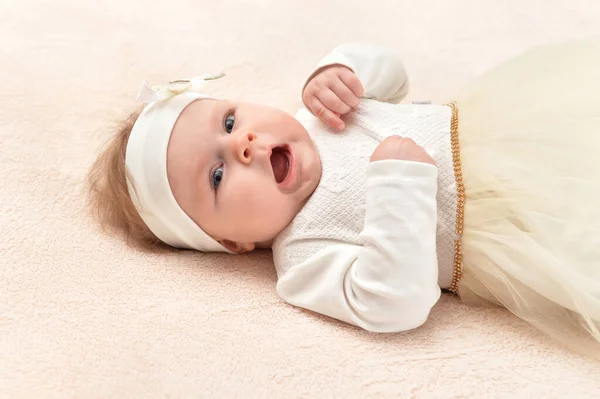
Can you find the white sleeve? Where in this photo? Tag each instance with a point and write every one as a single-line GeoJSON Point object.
{"type": "Point", "coordinates": [388, 284]}
{"type": "Point", "coordinates": [380, 71]}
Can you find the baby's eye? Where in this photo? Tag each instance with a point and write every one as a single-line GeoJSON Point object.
{"type": "Point", "coordinates": [229, 122]}
{"type": "Point", "coordinates": [217, 177]}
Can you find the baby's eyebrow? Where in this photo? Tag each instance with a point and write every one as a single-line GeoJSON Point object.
{"type": "Point", "coordinates": [201, 182]}
{"type": "Point", "coordinates": [208, 127]}
{"type": "Point", "coordinates": [212, 123]}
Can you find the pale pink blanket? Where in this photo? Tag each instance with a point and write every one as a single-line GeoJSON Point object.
{"type": "Point", "coordinates": [82, 316]}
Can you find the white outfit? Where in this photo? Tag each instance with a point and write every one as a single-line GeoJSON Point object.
{"type": "Point", "coordinates": [529, 141]}
{"type": "Point", "coordinates": [363, 248]}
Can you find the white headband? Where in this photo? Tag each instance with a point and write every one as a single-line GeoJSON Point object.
{"type": "Point", "coordinates": [146, 162]}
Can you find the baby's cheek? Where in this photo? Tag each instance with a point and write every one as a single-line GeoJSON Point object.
{"type": "Point", "coordinates": [250, 193]}
{"type": "Point", "coordinates": [261, 200]}
{"type": "Point", "coordinates": [266, 202]}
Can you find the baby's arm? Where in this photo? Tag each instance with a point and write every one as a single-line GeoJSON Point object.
{"type": "Point", "coordinates": [389, 283]}
{"type": "Point", "coordinates": [380, 72]}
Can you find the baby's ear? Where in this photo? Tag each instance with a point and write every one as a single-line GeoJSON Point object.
{"type": "Point", "coordinates": [236, 247]}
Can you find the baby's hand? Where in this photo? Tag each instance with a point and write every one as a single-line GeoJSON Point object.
{"type": "Point", "coordinates": [332, 92]}
{"type": "Point", "coordinates": [396, 147]}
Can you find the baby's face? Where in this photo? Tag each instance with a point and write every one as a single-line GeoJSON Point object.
{"type": "Point", "coordinates": [241, 171]}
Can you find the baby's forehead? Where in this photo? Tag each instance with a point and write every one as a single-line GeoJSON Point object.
{"type": "Point", "coordinates": [200, 106]}
{"type": "Point", "coordinates": [199, 114]}
{"type": "Point", "coordinates": [191, 145]}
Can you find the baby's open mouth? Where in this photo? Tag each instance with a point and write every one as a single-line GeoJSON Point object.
{"type": "Point", "coordinates": [280, 162]}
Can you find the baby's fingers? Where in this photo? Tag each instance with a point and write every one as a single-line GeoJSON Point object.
{"type": "Point", "coordinates": [352, 82]}
{"type": "Point", "coordinates": [324, 114]}
{"type": "Point", "coordinates": [332, 102]}
{"type": "Point", "coordinates": [345, 93]}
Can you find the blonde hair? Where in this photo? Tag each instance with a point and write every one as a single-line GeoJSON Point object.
{"type": "Point", "coordinates": [109, 197]}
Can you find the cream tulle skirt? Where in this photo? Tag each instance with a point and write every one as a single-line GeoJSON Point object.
{"type": "Point", "coordinates": [530, 147]}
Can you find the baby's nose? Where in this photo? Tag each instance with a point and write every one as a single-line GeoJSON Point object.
{"type": "Point", "coordinates": [244, 147]}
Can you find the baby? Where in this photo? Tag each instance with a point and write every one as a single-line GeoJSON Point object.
{"type": "Point", "coordinates": [372, 208]}
{"type": "Point", "coordinates": [341, 192]}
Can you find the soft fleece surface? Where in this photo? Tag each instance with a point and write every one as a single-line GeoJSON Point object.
{"type": "Point", "coordinates": [82, 316]}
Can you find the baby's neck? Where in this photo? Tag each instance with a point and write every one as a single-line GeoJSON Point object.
{"type": "Point", "coordinates": [269, 244]}
{"type": "Point", "coordinates": [264, 244]}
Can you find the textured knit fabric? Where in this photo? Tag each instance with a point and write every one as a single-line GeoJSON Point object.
{"type": "Point", "coordinates": [318, 256]}
{"type": "Point", "coordinates": [334, 216]}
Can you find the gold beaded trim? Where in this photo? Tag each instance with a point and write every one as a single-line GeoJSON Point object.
{"type": "Point", "coordinates": [460, 207]}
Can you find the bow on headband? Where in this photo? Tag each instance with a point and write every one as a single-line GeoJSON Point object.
{"type": "Point", "coordinates": [162, 92]}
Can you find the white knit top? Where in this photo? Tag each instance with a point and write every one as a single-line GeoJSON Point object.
{"type": "Point", "coordinates": [375, 242]}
